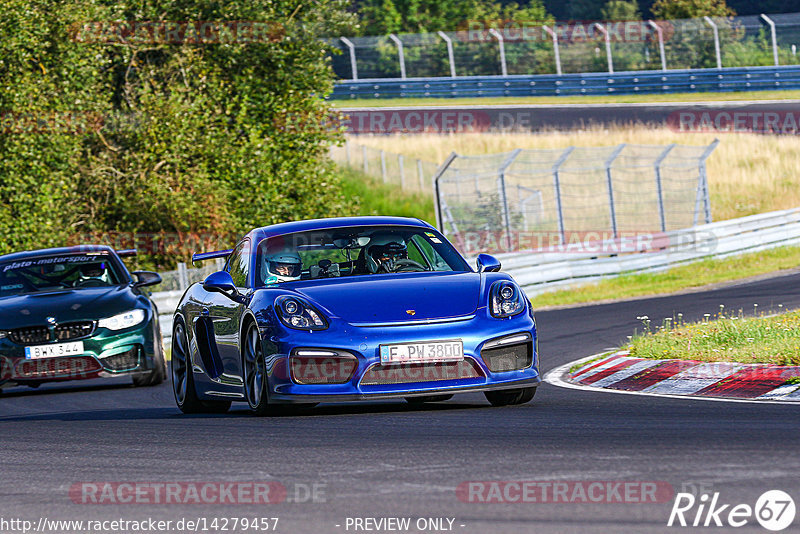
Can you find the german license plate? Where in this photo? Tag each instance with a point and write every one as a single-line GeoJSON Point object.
{"type": "Point", "coordinates": [423, 351]}
{"type": "Point", "coordinates": [37, 352]}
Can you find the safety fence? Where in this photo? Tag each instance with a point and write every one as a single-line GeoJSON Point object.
{"type": "Point", "coordinates": [513, 198]}
{"type": "Point", "coordinates": [411, 174]}
{"type": "Point", "coordinates": [524, 47]}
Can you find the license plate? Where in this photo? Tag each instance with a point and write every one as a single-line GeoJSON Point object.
{"type": "Point", "coordinates": [423, 351]}
{"type": "Point", "coordinates": [37, 352]}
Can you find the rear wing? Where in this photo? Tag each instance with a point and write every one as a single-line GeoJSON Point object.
{"type": "Point", "coordinates": [127, 253]}
{"type": "Point", "coordinates": [202, 256]}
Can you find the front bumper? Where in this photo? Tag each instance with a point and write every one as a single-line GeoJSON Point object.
{"type": "Point", "coordinates": [364, 343]}
{"type": "Point", "coordinates": [106, 354]}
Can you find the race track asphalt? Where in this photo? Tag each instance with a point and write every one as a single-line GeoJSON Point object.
{"type": "Point", "coordinates": [388, 459]}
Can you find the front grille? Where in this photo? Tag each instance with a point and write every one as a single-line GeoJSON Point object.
{"type": "Point", "coordinates": [67, 331]}
{"type": "Point", "coordinates": [509, 357]}
{"type": "Point", "coordinates": [32, 335]}
{"type": "Point", "coordinates": [421, 372]}
{"type": "Point", "coordinates": [71, 367]}
{"type": "Point", "coordinates": [125, 361]}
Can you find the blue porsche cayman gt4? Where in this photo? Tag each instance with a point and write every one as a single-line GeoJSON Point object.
{"type": "Point", "coordinates": [351, 309]}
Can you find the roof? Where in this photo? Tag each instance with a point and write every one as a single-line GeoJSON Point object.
{"type": "Point", "coordinates": [334, 222]}
{"type": "Point", "coordinates": [61, 251]}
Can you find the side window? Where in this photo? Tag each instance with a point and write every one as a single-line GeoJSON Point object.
{"type": "Point", "coordinates": [239, 263]}
{"type": "Point", "coordinates": [431, 255]}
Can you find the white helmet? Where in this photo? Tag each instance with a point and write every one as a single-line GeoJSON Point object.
{"type": "Point", "coordinates": [283, 266]}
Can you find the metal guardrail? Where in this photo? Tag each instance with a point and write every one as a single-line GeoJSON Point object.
{"type": "Point", "coordinates": [540, 272]}
{"type": "Point", "coordinates": [647, 82]}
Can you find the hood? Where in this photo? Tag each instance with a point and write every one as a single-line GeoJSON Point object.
{"type": "Point", "coordinates": [387, 298]}
{"type": "Point", "coordinates": [68, 305]}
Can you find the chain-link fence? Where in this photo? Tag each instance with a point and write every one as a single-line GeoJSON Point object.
{"type": "Point", "coordinates": [523, 197]}
{"type": "Point", "coordinates": [184, 276]}
{"type": "Point", "coordinates": [411, 174]}
{"type": "Point", "coordinates": [531, 47]}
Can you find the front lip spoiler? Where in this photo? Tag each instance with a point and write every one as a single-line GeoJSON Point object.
{"type": "Point", "coordinates": [299, 398]}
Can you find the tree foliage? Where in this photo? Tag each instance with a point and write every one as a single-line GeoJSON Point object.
{"type": "Point", "coordinates": [194, 139]}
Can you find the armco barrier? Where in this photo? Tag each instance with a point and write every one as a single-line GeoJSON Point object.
{"type": "Point", "coordinates": [539, 272]}
{"type": "Point", "coordinates": [598, 83]}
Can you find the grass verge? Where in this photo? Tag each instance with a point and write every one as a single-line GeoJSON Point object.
{"type": "Point", "coordinates": [730, 338]}
{"type": "Point", "coordinates": [698, 274]}
{"type": "Point", "coordinates": [376, 198]}
{"type": "Point", "coordinates": [591, 99]}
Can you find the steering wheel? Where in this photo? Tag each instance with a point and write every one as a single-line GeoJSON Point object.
{"type": "Point", "coordinates": [407, 266]}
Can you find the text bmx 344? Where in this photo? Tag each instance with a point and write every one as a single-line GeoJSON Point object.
{"type": "Point", "coordinates": [347, 309]}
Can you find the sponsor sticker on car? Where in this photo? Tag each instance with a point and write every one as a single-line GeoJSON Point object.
{"type": "Point", "coordinates": [37, 352]}
{"type": "Point", "coordinates": [423, 351]}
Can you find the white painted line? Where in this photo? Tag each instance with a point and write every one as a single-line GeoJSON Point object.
{"type": "Point", "coordinates": [628, 372]}
{"type": "Point", "coordinates": [556, 377]}
{"type": "Point", "coordinates": [779, 392]}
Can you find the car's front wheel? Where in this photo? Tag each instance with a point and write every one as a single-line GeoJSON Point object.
{"type": "Point", "coordinates": [255, 373]}
{"type": "Point", "coordinates": [183, 379]}
{"type": "Point", "coordinates": [157, 375]}
{"type": "Point", "coordinates": [509, 397]}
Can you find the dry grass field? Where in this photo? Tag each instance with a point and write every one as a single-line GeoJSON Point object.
{"type": "Point", "coordinates": [748, 173]}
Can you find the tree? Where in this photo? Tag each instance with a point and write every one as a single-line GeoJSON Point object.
{"type": "Point", "coordinates": [690, 9]}
{"type": "Point", "coordinates": [621, 10]}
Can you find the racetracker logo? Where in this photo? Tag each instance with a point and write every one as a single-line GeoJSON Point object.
{"type": "Point", "coordinates": [774, 510]}
{"type": "Point", "coordinates": [743, 121]}
{"type": "Point", "coordinates": [575, 492]}
{"type": "Point", "coordinates": [178, 493]}
{"type": "Point", "coordinates": [513, 30]}
{"type": "Point", "coordinates": [176, 32]}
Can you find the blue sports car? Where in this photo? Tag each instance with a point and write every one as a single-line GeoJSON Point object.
{"type": "Point", "coordinates": [351, 309]}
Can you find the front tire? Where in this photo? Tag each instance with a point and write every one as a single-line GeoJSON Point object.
{"type": "Point", "coordinates": [255, 372]}
{"type": "Point", "coordinates": [182, 380]}
{"type": "Point", "coordinates": [510, 397]}
{"type": "Point", "coordinates": [157, 375]}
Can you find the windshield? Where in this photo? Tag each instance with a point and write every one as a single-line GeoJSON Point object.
{"type": "Point", "coordinates": [58, 272]}
{"type": "Point", "coordinates": [354, 251]}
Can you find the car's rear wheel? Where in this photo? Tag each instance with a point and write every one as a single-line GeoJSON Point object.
{"type": "Point", "coordinates": [183, 380]}
{"type": "Point", "coordinates": [255, 373]}
{"type": "Point", "coordinates": [509, 397]}
{"type": "Point", "coordinates": [428, 398]}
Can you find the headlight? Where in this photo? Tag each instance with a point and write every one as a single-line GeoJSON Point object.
{"type": "Point", "coordinates": [123, 320]}
{"type": "Point", "coordinates": [299, 315]}
{"type": "Point", "coordinates": [505, 299]}
{"type": "Point", "coordinates": [3, 334]}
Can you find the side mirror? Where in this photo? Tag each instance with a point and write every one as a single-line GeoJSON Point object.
{"type": "Point", "coordinates": [487, 263]}
{"type": "Point", "coordinates": [146, 278]}
{"type": "Point", "coordinates": [220, 282]}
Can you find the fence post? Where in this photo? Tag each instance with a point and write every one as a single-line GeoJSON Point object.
{"type": "Point", "coordinates": [421, 176]}
{"type": "Point", "coordinates": [659, 188]}
{"type": "Point", "coordinates": [501, 184]}
{"type": "Point", "coordinates": [704, 179]}
{"type": "Point", "coordinates": [347, 151]}
{"type": "Point", "coordinates": [660, 33]}
{"type": "Point", "coordinates": [450, 55]}
{"type": "Point", "coordinates": [183, 276]}
{"type": "Point", "coordinates": [400, 54]}
{"type": "Point", "coordinates": [716, 39]}
{"type": "Point", "coordinates": [220, 263]}
{"type": "Point", "coordinates": [503, 66]}
{"type": "Point", "coordinates": [610, 184]}
{"type": "Point", "coordinates": [383, 166]}
{"type": "Point", "coordinates": [402, 171]}
{"type": "Point", "coordinates": [774, 38]}
{"type": "Point", "coordinates": [555, 47]}
{"type": "Point", "coordinates": [557, 184]}
{"type": "Point", "coordinates": [604, 31]}
{"type": "Point", "coordinates": [352, 47]}
{"type": "Point", "coordinates": [436, 192]}
{"type": "Point", "coordinates": [364, 155]}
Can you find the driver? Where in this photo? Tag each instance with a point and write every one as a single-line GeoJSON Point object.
{"type": "Point", "coordinates": [283, 266]}
{"type": "Point", "coordinates": [383, 251]}
{"type": "Point", "coordinates": [92, 271]}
